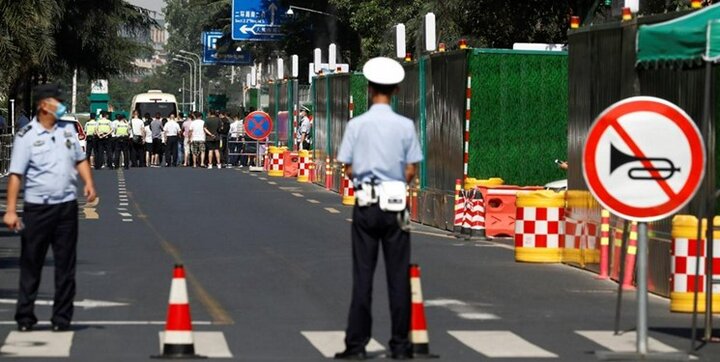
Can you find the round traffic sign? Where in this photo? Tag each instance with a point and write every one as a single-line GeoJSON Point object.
{"type": "Point", "coordinates": [258, 125]}
{"type": "Point", "coordinates": [644, 158]}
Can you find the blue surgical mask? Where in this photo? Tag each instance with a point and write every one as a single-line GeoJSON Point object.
{"type": "Point", "coordinates": [61, 110]}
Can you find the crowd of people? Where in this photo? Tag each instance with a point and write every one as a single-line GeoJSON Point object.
{"type": "Point", "coordinates": [170, 141]}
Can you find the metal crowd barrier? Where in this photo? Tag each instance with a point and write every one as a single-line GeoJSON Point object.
{"type": "Point", "coordinates": [246, 150]}
{"type": "Point", "coordinates": [6, 144]}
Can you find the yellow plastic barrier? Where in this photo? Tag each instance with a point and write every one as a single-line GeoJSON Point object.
{"type": "Point", "coordinates": [539, 226]}
{"type": "Point", "coordinates": [471, 183]}
{"type": "Point", "coordinates": [304, 166]}
{"type": "Point", "coordinates": [275, 168]}
{"type": "Point", "coordinates": [684, 250]}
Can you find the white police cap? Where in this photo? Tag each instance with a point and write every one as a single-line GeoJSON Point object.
{"type": "Point", "coordinates": [382, 70]}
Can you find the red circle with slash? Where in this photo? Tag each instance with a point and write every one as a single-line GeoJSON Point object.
{"type": "Point", "coordinates": [644, 158]}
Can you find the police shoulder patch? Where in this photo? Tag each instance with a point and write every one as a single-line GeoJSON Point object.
{"type": "Point", "coordinates": [24, 130]}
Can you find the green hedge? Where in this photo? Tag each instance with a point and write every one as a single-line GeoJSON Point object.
{"type": "Point", "coordinates": [519, 108]}
{"type": "Point", "coordinates": [359, 91]}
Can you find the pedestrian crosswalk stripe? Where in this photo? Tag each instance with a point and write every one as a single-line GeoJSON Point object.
{"type": "Point", "coordinates": [37, 344]}
{"type": "Point", "coordinates": [127, 220]}
{"type": "Point", "coordinates": [208, 344]}
{"type": "Point", "coordinates": [500, 344]}
{"type": "Point", "coordinates": [313, 201]}
{"type": "Point", "coordinates": [330, 342]}
{"type": "Point", "coordinates": [624, 342]}
{"type": "Point", "coordinates": [272, 183]}
{"type": "Point", "coordinates": [297, 194]}
{"type": "Point", "coordinates": [332, 210]}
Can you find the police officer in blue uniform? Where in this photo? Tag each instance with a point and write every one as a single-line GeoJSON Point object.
{"type": "Point", "coordinates": [380, 151]}
{"type": "Point", "coordinates": [48, 158]}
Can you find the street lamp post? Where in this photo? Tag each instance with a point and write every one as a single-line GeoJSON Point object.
{"type": "Point", "coordinates": [198, 78]}
{"type": "Point", "coordinates": [291, 12]}
{"type": "Point", "coordinates": [200, 83]}
{"type": "Point", "coordinates": [192, 79]}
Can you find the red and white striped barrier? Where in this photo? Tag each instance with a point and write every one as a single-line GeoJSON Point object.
{"type": "Point", "coordinates": [478, 217]}
{"type": "Point", "coordinates": [459, 207]}
{"type": "Point", "coordinates": [178, 337]}
{"type": "Point", "coordinates": [328, 174]}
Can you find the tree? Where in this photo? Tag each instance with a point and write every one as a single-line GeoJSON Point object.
{"type": "Point", "coordinates": [48, 39]}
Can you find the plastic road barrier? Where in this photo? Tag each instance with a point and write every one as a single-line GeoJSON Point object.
{"type": "Point", "coordinates": [539, 226]}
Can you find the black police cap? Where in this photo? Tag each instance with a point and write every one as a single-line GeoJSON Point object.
{"type": "Point", "coordinates": [45, 91]}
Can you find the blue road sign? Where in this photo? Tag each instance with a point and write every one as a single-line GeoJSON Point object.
{"type": "Point", "coordinates": [211, 56]}
{"type": "Point", "coordinates": [257, 20]}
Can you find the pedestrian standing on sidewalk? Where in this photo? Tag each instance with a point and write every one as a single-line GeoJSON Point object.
{"type": "Point", "coordinates": [198, 133]}
{"type": "Point", "coordinates": [48, 158]}
{"type": "Point", "coordinates": [172, 132]}
{"type": "Point", "coordinates": [148, 141]}
{"type": "Point", "coordinates": [380, 151]}
{"type": "Point", "coordinates": [212, 144]}
{"type": "Point", "coordinates": [186, 139]}
{"type": "Point", "coordinates": [235, 141]}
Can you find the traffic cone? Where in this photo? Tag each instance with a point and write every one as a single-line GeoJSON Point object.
{"type": "Point", "coordinates": [178, 339]}
{"type": "Point", "coordinates": [604, 244]}
{"type": "Point", "coordinates": [459, 207]}
{"type": "Point", "coordinates": [418, 325]}
{"type": "Point", "coordinates": [630, 257]}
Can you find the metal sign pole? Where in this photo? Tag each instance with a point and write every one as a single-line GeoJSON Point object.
{"type": "Point", "coordinates": [12, 116]}
{"type": "Point", "coordinates": [642, 289]}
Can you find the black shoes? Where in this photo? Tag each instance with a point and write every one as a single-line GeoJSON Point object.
{"type": "Point", "coordinates": [351, 356]}
{"type": "Point", "coordinates": [401, 356]}
{"type": "Point", "coordinates": [25, 327]}
{"type": "Point", "coordinates": [60, 327]}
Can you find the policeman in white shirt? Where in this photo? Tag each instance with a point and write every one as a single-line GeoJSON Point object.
{"type": "Point", "coordinates": [380, 150]}
{"type": "Point", "coordinates": [303, 132]}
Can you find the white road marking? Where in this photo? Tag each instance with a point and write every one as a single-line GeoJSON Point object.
{"type": "Point", "coordinates": [85, 303]}
{"type": "Point", "coordinates": [122, 209]}
{"type": "Point", "coordinates": [123, 204]}
{"type": "Point", "coordinates": [313, 201]}
{"type": "Point", "coordinates": [500, 344]}
{"type": "Point", "coordinates": [330, 342]}
{"type": "Point", "coordinates": [111, 323]}
{"type": "Point", "coordinates": [272, 183]}
{"type": "Point", "coordinates": [125, 214]}
{"type": "Point", "coordinates": [37, 344]}
{"type": "Point", "coordinates": [297, 194]}
{"type": "Point", "coordinates": [624, 342]}
{"type": "Point", "coordinates": [331, 210]}
{"type": "Point", "coordinates": [208, 344]}
{"type": "Point", "coordinates": [348, 220]}
{"type": "Point", "coordinates": [461, 309]}
{"type": "Point", "coordinates": [127, 220]}
{"type": "Point", "coordinates": [262, 178]}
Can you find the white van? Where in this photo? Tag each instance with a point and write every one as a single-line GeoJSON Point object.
{"type": "Point", "coordinates": [153, 102]}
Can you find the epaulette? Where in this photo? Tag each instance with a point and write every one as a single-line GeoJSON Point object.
{"type": "Point", "coordinates": [24, 130]}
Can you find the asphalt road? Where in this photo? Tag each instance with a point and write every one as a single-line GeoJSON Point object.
{"type": "Point", "coordinates": [268, 264]}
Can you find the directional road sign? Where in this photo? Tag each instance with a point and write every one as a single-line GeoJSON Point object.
{"type": "Point", "coordinates": [211, 56]}
{"type": "Point", "coordinates": [644, 158]}
{"type": "Point", "coordinates": [257, 20]}
{"type": "Point", "coordinates": [258, 125]}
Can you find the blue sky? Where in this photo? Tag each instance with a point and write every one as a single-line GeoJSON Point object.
{"type": "Point", "coordinates": [150, 4]}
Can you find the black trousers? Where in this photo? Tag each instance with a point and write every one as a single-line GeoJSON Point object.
{"type": "Point", "coordinates": [138, 154]}
{"type": "Point", "coordinates": [103, 153]}
{"type": "Point", "coordinates": [122, 147]}
{"type": "Point", "coordinates": [223, 149]}
{"type": "Point", "coordinates": [89, 146]}
{"type": "Point", "coordinates": [47, 226]}
{"type": "Point", "coordinates": [171, 151]}
{"type": "Point", "coordinates": [372, 228]}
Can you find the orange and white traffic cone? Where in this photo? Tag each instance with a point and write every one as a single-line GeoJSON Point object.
{"type": "Point", "coordinates": [630, 257]}
{"type": "Point", "coordinates": [418, 325]}
{"type": "Point", "coordinates": [604, 244]}
{"type": "Point", "coordinates": [178, 338]}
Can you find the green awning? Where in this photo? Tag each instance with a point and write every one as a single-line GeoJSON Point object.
{"type": "Point", "coordinates": [687, 40]}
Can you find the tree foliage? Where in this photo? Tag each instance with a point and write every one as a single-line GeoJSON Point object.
{"type": "Point", "coordinates": [47, 39]}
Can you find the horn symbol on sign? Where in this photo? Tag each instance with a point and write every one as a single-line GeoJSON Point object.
{"type": "Point", "coordinates": [618, 158]}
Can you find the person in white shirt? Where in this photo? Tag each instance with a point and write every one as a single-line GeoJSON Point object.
{"type": "Point", "coordinates": [137, 149]}
{"type": "Point", "coordinates": [303, 133]}
{"type": "Point", "coordinates": [198, 132]}
{"type": "Point", "coordinates": [235, 136]}
{"type": "Point", "coordinates": [186, 139]}
{"type": "Point", "coordinates": [148, 141]}
{"type": "Point", "coordinates": [172, 132]}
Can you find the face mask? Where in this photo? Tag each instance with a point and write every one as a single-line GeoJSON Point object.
{"type": "Point", "coordinates": [60, 111]}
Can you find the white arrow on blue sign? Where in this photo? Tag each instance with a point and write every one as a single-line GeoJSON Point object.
{"type": "Point", "coordinates": [257, 20]}
{"type": "Point", "coordinates": [212, 57]}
